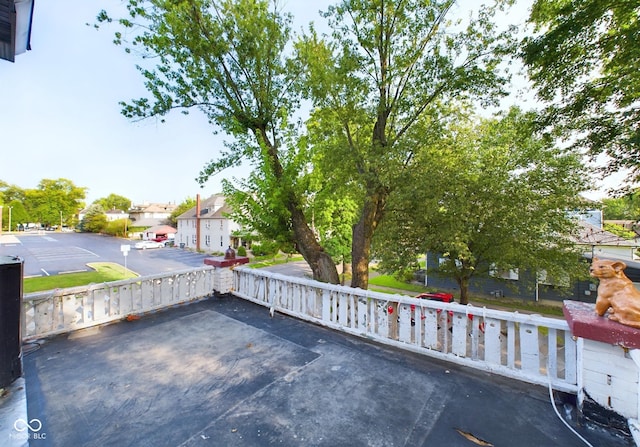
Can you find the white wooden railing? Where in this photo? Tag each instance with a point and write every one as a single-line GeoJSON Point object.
{"type": "Point", "coordinates": [526, 347]}
{"type": "Point", "coordinates": [63, 310]}
{"type": "Point", "coordinates": [532, 348]}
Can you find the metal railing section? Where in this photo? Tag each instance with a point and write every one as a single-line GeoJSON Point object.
{"type": "Point", "coordinates": [532, 348]}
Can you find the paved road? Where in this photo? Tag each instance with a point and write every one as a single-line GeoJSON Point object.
{"type": "Point", "coordinates": [49, 253]}
{"type": "Point", "coordinates": [294, 268]}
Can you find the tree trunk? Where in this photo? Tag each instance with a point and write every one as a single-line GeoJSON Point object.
{"type": "Point", "coordinates": [362, 236]}
{"type": "Point", "coordinates": [464, 290]}
{"type": "Point", "coordinates": [322, 266]}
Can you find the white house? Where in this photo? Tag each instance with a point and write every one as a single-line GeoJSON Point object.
{"type": "Point", "coordinates": [600, 243]}
{"type": "Point", "coordinates": [206, 226]}
{"type": "Point", "coordinates": [151, 214]}
{"type": "Point", "coordinates": [114, 214]}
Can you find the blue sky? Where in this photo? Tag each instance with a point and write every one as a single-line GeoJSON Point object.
{"type": "Point", "coordinates": [63, 118]}
{"type": "Point", "coordinates": [60, 114]}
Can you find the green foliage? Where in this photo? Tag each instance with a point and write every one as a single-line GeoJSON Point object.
{"type": "Point", "coordinates": [95, 220]}
{"type": "Point", "coordinates": [385, 67]}
{"type": "Point", "coordinates": [10, 193]}
{"type": "Point", "coordinates": [585, 64]}
{"type": "Point", "coordinates": [620, 231]}
{"type": "Point", "coordinates": [114, 202]}
{"type": "Point", "coordinates": [626, 207]}
{"type": "Point", "coordinates": [228, 58]}
{"type": "Point", "coordinates": [54, 202]}
{"type": "Point", "coordinates": [242, 251]}
{"type": "Point", "coordinates": [18, 214]}
{"type": "Point", "coordinates": [490, 194]}
{"type": "Point", "coordinates": [182, 208]}
{"type": "Point", "coordinates": [265, 248]}
{"type": "Point", "coordinates": [118, 228]}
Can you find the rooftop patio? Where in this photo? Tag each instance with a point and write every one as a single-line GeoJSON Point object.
{"type": "Point", "coordinates": [228, 355]}
{"type": "Point", "coordinates": [221, 371]}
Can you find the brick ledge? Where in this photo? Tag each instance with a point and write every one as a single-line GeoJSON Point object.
{"type": "Point", "coordinates": [222, 262]}
{"type": "Point", "coordinates": [584, 322]}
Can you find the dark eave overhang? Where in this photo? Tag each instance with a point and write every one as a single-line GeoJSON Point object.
{"type": "Point", "coordinates": [16, 17]}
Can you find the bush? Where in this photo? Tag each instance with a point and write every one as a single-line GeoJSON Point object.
{"type": "Point", "coordinates": [117, 227]}
{"type": "Point", "coordinates": [242, 251]}
{"type": "Point", "coordinates": [265, 248]}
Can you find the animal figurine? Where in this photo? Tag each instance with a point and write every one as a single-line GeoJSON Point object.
{"type": "Point", "coordinates": [616, 291]}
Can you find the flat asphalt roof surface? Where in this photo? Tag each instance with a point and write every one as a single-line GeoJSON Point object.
{"type": "Point", "coordinates": [222, 372]}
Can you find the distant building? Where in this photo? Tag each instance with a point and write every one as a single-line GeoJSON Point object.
{"type": "Point", "coordinates": [160, 231]}
{"type": "Point", "coordinates": [215, 227]}
{"type": "Point", "coordinates": [601, 243]}
{"type": "Point", "coordinates": [150, 214]}
{"type": "Point", "coordinates": [116, 215]}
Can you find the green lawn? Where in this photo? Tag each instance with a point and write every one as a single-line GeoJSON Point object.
{"type": "Point", "coordinates": [390, 282]}
{"type": "Point", "coordinates": [266, 261]}
{"type": "Point", "coordinates": [103, 272]}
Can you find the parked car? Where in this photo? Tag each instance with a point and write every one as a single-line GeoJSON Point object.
{"type": "Point", "coordinates": [160, 238]}
{"type": "Point", "coordinates": [445, 298]}
{"type": "Point", "coordinates": [435, 296]}
{"type": "Point", "coordinates": [143, 245]}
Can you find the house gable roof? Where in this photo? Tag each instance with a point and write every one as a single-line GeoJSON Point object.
{"type": "Point", "coordinates": [213, 207]}
{"type": "Point", "coordinates": [592, 235]}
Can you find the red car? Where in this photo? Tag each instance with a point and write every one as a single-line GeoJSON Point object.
{"type": "Point", "coordinates": [159, 239]}
{"type": "Point", "coordinates": [437, 296]}
{"type": "Point", "coordinates": [445, 298]}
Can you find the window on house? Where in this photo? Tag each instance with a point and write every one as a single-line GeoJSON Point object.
{"type": "Point", "coordinates": [207, 240]}
{"type": "Point", "coordinates": [511, 274]}
{"type": "Point", "coordinates": [441, 261]}
{"type": "Point", "coordinates": [193, 239]}
{"type": "Point", "coordinates": [207, 225]}
{"type": "Point", "coordinates": [559, 280]}
{"type": "Point", "coordinates": [221, 244]}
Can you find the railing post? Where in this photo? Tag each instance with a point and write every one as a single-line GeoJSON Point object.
{"type": "Point", "coordinates": [608, 378]}
{"type": "Point", "coordinates": [223, 274]}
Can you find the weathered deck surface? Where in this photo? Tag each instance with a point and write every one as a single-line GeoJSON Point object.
{"type": "Point", "coordinates": [221, 372]}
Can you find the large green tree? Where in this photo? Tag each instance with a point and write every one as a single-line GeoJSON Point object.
{"type": "Point", "coordinates": [626, 207]}
{"type": "Point", "coordinates": [9, 192]}
{"type": "Point", "coordinates": [114, 202]}
{"type": "Point", "coordinates": [182, 207]}
{"type": "Point", "coordinates": [54, 202]}
{"type": "Point", "coordinates": [488, 195]}
{"type": "Point", "coordinates": [584, 60]}
{"type": "Point", "coordinates": [386, 66]}
{"type": "Point", "coordinates": [16, 211]}
{"type": "Point", "coordinates": [95, 220]}
{"type": "Point", "coordinates": [228, 58]}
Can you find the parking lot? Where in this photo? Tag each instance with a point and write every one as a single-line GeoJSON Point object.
{"type": "Point", "coordinates": [51, 253]}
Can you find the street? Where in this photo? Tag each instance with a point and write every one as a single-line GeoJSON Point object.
{"type": "Point", "coordinates": [52, 253]}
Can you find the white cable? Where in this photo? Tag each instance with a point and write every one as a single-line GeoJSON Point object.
{"type": "Point", "coordinates": [553, 403]}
